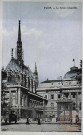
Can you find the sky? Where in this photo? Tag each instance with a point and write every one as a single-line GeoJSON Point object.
{"type": "Point", "coordinates": [51, 35]}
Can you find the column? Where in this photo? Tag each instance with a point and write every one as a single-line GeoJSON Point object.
{"type": "Point", "coordinates": [76, 99]}
{"type": "Point", "coordinates": [19, 101]}
{"type": "Point", "coordinates": [44, 113]}
{"type": "Point", "coordinates": [22, 101]}
{"type": "Point", "coordinates": [30, 85]}
{"type": "Point", "coordinates": [77, 103]}
{"type": "Point", "coordinates": [26, 100]}
{"type": "Point", "coordinates": [16, 96]}
{"type": "Point", "coordinates": [64, 112]}
{"type": "Point", "coordinates": [33, 86]}
{"type": "Point", "coordinates": [21, 79]}
{"type": "Point", "coordinates": [9, 97]}
{"type": "Point", "coordinates": [19, 96]}
{"type": "Point", "coordinates": [58, 111]}
{"type": "Point", "coordinates": [26, 81]}
{"type": "Point", "coordinates": [33, 113]}
{"type": "Point", "coordinates": [70, 112]}
{"type": "Point", "coordinates": [10, 103]}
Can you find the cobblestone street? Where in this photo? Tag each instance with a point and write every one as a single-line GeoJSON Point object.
{"type": "Point", "coordinates": [41, 128]}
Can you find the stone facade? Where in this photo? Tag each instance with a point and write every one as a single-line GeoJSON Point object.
{"type": "Point", "coordinates": [19, 86]}
{"type": "Point", "coordinates": [62, 94]}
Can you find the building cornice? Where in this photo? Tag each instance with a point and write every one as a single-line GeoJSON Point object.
{"type": "Point", "coordinates": [19, 86]}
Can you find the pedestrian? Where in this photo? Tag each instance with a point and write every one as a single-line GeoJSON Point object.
{"type": "Point", "coordinates": [71, 121]}
{"type": "Point", "coordinates": [27, 121]}
{"type": "Point", "coordinates": [39, 121]}
{"type": "Point", "coordinates": [77, 119]}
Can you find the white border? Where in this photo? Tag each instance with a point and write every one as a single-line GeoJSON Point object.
{"type": "Point", "coordinates": [35, 133]}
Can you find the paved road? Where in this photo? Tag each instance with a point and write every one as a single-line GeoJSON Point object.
{"type": "Point", "coordinates": [41, 128]}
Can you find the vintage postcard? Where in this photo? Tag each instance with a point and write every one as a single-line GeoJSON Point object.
{"type": "Point", "coordinates": [41, 70]}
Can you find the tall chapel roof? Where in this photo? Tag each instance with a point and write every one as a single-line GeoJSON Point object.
{"type": "Point", "coordinates": [13, 65]}
{"type": "Point", "coordinates": [17, 64]}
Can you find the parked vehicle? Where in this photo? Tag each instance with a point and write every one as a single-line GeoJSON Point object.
{"type": "Point", "coordinates": [9, 117]}
{"type": "Point", "coordinates": [12, 117]}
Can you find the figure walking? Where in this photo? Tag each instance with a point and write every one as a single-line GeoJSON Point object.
{"type": "Point", "coordinates": [77, 119]}
{"type": "Point", "coordinates": [39, 121]}
{"type": "Point", "coordinates": [27, 122]}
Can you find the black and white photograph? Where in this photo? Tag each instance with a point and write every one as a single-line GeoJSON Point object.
{"type": "Point", "coordinates": [41, 70]}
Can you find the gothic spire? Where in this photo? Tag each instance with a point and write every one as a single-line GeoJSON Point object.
{"type": "Point", "coordinates": [19, 32]}
{"type": "Point", "coordinates": [36, 75]}
{"type": "Point", "coordinates": [35, 68]}
{"type": "Point", "coordinates": [19, 46]}
{"type": "Point", "coordinates": [12, 53]}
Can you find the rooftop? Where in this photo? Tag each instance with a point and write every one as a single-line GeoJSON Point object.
{"type": "Point", "coordinates": [73, 73]}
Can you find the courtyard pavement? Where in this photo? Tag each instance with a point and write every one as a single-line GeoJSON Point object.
{"type": "Point", "coordinates": [44, 127]}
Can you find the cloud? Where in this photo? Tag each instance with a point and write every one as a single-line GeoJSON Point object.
{"type": "Point", "coordinates": [8, 33]}
{"type": "Point", "coordinates": [31, 32]}
{"type": "Point", "coordinates": [38, 36]}
{"type": "Point", "coordinates": [25, 31]}
{"type": "Point", "coordinates": [44, 45]}
{"type": "Point", "coordinates": [5, 32]}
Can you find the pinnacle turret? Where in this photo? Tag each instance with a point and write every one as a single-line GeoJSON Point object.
{"type": "Point", "coordinates": [35, 68]}
{"type": "Point", "coordinates": [19, 46]}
